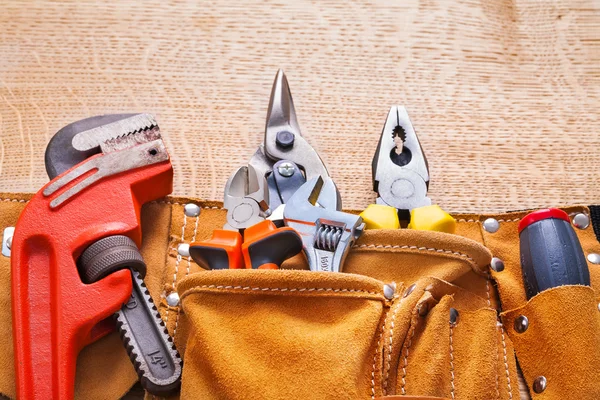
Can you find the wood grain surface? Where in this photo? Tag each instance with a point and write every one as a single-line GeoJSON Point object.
{"type": "Point", "coordinates": [503, 94]}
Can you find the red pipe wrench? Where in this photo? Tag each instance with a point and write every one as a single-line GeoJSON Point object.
{"type": "Point", "coordinates": [123, 165]}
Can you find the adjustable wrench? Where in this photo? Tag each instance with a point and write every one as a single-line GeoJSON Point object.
{"type": "Point", "coordinates": [121, 164]}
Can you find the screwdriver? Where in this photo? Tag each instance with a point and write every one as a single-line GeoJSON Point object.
{"type": "Point", "coordinates": [551, 254]}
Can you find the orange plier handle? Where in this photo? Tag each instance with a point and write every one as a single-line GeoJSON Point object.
{"type": "Point", "coordinates": [264, 247]}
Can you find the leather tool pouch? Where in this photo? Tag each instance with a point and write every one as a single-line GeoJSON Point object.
{"type": "Point", "coordinates": [414, 314]}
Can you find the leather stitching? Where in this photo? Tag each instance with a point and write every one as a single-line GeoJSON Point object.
{"type": "Point", "coordinates": [411, 334]}
{"type": "Point", "coordinates": [389, 356]}
{"type": "Point", "coordinates": [375, 356]}
{"type": "Point", "coordinates": [452, 388]}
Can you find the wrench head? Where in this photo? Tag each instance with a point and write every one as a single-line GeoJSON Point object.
{"type": "Point", "coordinates": [61, 155]}
{"type": "Point", "coordinates": [327, 233]}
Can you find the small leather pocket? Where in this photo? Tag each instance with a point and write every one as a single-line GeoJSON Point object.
{"type": "Point", "coordinates": [280, 334]}
{"type": "Point", "coordinates": [452, 348]}
{"type": "Point", "coordinates": [556, 336]}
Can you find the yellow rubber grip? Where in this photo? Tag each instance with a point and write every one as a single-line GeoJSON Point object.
{"type": "Point", "coordinates": [377, 216]}
{"type": "Point", "coordinates": [431, 218]}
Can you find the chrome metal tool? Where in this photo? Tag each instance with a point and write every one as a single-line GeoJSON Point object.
{"type": "Point", "coordinates": [400, 171]}
{"type": "Point", "coordinates": [327, 234]}
{"type": "Point", "coordinates": [285, 158]}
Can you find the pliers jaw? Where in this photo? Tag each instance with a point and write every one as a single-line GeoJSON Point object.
{"type": "Point", "coordinates": [283, 142]}
{"type": "Point", "coordinates": [400, 178]}
{"type": "Point", "coordinates": [246, 199]}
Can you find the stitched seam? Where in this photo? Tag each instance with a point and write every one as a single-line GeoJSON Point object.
{"type": "Point", "coordinates": [189, 259]}
{"type": "Point", "coordinates": [413, 324]}
{"type": "Point", "coordinates": [375, 358]}
{"type": "Point", "coordinates": [15, 200]}
{"type": "Point", "coordinates": [487, 289]}
{"type": "Point", "coordinates": [497, 362]}
{"type": "Point", "coordinates": [267, 289]}
{"type": "Point", "coordinates": [499, 220]}
{"type": "Point", "coordinates": [182, 204]}
{"type": "Point", "coordinates": [177, 269]}
{"type": "Point", "coordinates": [389, 356]}
{"type": "Point", "coordinates": [388, 246]}
{"type": "Point", "coordinates": [452, 388]}
{"type": "Point", "coordinates": [510, 396]}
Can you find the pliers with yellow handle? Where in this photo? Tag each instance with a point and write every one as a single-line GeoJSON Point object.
{"type": "Point", "coordinates": [401, 180]}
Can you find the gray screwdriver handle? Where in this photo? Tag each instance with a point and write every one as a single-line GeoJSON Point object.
{"type": "Point", "coordinates": [551, 254]}
{"type": "Point", "coordinates": [148, 343]}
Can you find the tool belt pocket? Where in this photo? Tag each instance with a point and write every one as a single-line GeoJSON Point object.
{"type": "Point", "coordinates": [410, 319]}
{"type": "Point", "coordinates": [556, 336]}
{"type": "Point", "coordinates": [280, 334]}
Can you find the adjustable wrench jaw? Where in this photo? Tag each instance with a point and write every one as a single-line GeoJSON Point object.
{"type": "Point", "coordinates": [402, 186]}
{"type": "Point", "coordinates": [54, 313]}
{"type": "Point", "coordinates": [327, 234]}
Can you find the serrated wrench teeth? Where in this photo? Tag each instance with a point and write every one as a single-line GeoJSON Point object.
{"type": "Point", "coordinates": [104, 166]}
{"type": "Point", "coordinates": [141, 126]}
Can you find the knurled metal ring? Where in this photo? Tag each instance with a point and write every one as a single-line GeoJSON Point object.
{"type": "Point", "coordinates": [109, 255]}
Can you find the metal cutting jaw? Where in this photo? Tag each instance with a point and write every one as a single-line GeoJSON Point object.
{"type": "Point", "coordinates": [401, 179]}
{"type": "Point", "coordinates": [246, 199]}
{"type": "Point", "coordinates": [285, 157]}
{"type": "Point", "coordinates": [327, 234]}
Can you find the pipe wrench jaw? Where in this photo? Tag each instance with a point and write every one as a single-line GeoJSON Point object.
{"type": "Point", "coordinates": [327, 234]}
{"type": "Point", "coordinates": [54, 313]}
{"type": "Point", "coordinates": [400, 170]}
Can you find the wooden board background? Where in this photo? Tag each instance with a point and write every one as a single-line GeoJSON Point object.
{"type": "Point", "coordinates": [503, 94]}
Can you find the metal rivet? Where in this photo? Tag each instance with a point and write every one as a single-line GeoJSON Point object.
{"type": "Point", "coordinates": [191, 210]}
{"type": "Point", "coordinates": [539, 384]}
{"type": "Point", "coordinates": [594, 258]}
{"type": "Point", "coordinates": [409, 290]}
{"type": "Point", "coordinates": [7, 240]}
{"type": "Point", "coordinates": [173, 299]}
{"type": "Point", "coordinates": [285, 139]}
{"type": "Point", "coordinates": [598, 306]}
{"type": "Point", "coordinates": [453, 316]}
{"type": "Point", "coordinates": [286, 169]}
{"type": "Point", "coordinates": [581, 221]}
{"type": "Point", "coordinates": [491, 225]}
{"type": "Point", "coordinates": [184, 250]}
{"type": "Point", "coordinates": [497, 264]}
{"type": "Point", "coordinates": [389, 289]}
{"type": "Point", "coordinates": [521, 324]}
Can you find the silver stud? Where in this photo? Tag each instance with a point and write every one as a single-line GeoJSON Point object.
{"type": "Point", "coordinates": [521, 324]}
{"type": "Point", "coordinates": [581, 221]}
{"type": "Point", "coordinates": [539, 384]}
{"type": "Point", "coordinates": [389, 289]}
{"type": "Point", "coordinates": [286, 169]}
{"type": "Point", "coordinates": [497, 264]}
{"type": "Point", "coordinates": [173, 299]}
{"type": "Point", "coordinates": [7, 240]}
{"type": "Point", "coordinates": [453, 316]}
{"type": "Point", "coordinates": [598, 306]}
{"type": "Point", "coordinates": [491, 225]}
{"type": "Point", "coordinates": [409, 290]}
{"type": "Point", "coordinates": [191, 210]}
{"type": "Point", "coordinates": [594, 258]}
{"type": "Point", "coordinates": [184, 250]}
